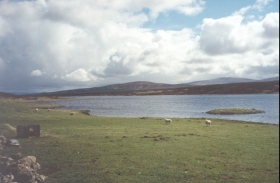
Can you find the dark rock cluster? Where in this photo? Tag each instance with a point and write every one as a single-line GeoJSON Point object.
{"type": "Point", "coordinates": [17, 169]}
{"type": "Point", "coordinates": [3, 141]}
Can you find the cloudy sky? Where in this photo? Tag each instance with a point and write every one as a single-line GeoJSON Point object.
{"type": "Point", "coordinates": [52, 45]}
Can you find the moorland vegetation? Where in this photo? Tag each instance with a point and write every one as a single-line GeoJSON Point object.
{"type": "Point", "coordinates": [84, 148]}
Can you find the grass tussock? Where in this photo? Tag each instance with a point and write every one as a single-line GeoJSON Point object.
{"type": "Point", "coordinates": [84, 148]}
{"type": "Point", "coordinates": [11, 128]}
{"type": "Point", "coordinates": [230, 111]}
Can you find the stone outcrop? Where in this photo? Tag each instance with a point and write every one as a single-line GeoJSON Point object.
{"type": "Point", "coordinates": [17, 169]}
{"type": "Point", "coordinates": [22, 170]}
{"type": "Point", "coordinates": [3, 141]}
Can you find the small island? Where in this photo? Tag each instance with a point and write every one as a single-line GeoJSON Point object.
{"type": "Point", "coordinates": [230, 111]}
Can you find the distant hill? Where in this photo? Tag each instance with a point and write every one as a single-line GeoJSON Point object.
{"type": "Point", "coordinates": [270, 79]}
{"type": "Point", "coordinates": [125, 87]}
{"type": "Point", "coordinates": [140, 85]}
{"type": "Point", "coordinates": [214, 86]}
{"type": "Point", "coordinates": [222, 80]}
{"type": "Point", "coordinates": [267, 87]}
{"type": "Point", "coordinates": [3, 94]}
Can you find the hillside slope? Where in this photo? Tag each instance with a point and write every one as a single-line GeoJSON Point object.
{"type": "Point", "coordinates": [3, 94]}
{"type": "Point", "coordinates": [147, 88]}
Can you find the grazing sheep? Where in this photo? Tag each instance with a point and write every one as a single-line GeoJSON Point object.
{"type": "Point", "coordinates": [71, 113]}
{"type": "Point", "coordinates": [168, 121]}
{"type": "Point", "coordinates": [208, 122]}
{"type": "Point", "coordinates": [36, 109]}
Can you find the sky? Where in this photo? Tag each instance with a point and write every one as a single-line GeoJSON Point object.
{"type": "Point", "coordinates": [54, 45]}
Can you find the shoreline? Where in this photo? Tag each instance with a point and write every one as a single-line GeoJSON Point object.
{"type": "Point", "coordinates": [31, 102]}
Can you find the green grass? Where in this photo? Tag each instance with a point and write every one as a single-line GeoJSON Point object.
{"type": "Point", "coordinates": [234, 111]}
{"type": "Point", "coordinates": [82, 148]}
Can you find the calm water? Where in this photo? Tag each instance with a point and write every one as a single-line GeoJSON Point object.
{"type": "Point", "coordinates": [181, 106]}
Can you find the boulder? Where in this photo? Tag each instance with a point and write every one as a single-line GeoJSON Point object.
{"type": "Point", "coordinates": [13, 142]}
{"type": "Point", "coordinates": [23, 170]}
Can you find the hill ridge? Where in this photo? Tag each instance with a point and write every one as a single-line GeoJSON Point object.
{"type": "Point", "coordinates": [268, 85]}
{"type": "Point", "coordinates": [150, 88]}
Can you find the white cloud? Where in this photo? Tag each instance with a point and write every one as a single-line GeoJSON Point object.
{"type": "Point", "coordinates": [95, 42]}
{"type": "Point", "coordinates": [36, 73]}
{"type": "Point", "coordinates": [225, 35]}
{"type": "Point", "coordinates": [229, 35]}
{"type": "Point", "coordinates": [242, 11]}
{"type": "Point", "coordinates": [271, 25]}
{"type": "Point", "coordinates": [260, 4]}
{"type": "Point", "coordinates": [77, 75]}
{"type": "Point", "coordinates": [4, 27]}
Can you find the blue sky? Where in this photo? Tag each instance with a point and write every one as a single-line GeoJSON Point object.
{"type": "Point", "coordinates": [174, 20]}
{"type": "Point", "coordinates": [52, 45]}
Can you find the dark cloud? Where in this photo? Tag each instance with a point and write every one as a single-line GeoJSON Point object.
{"type": "Point", "coordinates": [117, 66]}
{"type": "Point", "coordinates": [264, 71]}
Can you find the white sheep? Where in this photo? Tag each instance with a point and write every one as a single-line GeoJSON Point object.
{"type": "Point", "coordinates": [208, 122]}
{"type": "Point", "coordinates": [36, 109]}
{"type": "Point", "coordinates": [168, 121]}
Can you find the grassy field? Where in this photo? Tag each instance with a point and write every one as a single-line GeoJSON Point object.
{"type": "Point", "coordinates": [82, 148]}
